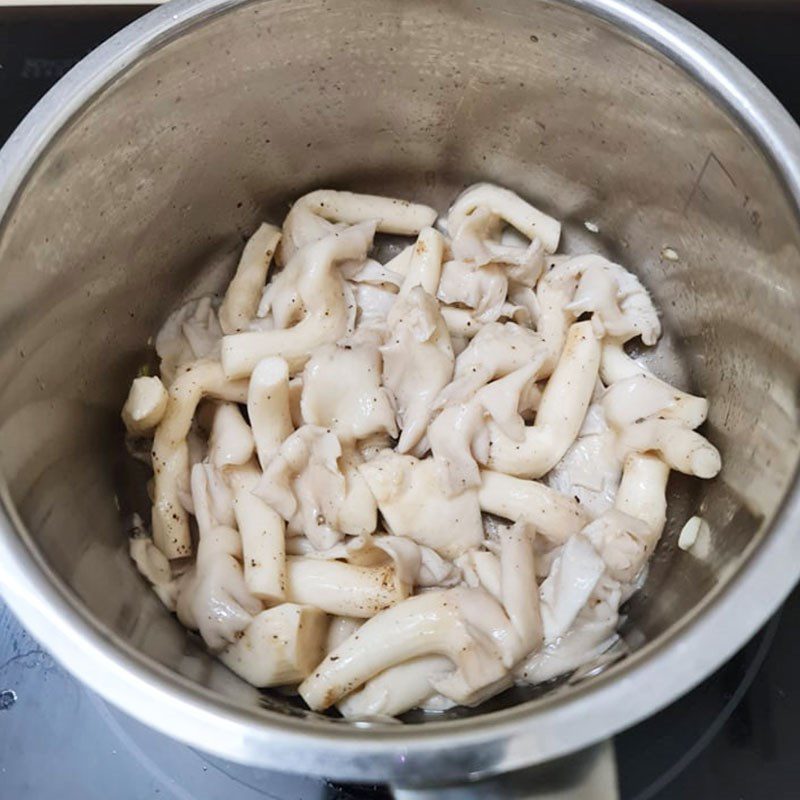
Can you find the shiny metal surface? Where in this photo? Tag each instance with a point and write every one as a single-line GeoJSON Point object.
{"type": "Point", "coordinates": [132, 185]}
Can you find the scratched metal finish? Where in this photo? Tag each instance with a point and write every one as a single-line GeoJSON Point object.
{"type": "Point", "coordinates": [146, 197]}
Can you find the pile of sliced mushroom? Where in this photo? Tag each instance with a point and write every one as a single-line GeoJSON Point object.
{"type": "Point", "coordinates": [413, 483]}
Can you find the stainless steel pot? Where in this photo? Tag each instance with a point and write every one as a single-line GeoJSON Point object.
{"type": "Point", "coordinates": [132, 185]}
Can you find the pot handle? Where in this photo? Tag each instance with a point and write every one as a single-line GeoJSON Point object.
{"type": "Point", "coordinates": [589, 774]}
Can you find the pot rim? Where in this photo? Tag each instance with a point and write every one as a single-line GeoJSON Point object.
{"type": "Point", "coordinates": [498, 741]}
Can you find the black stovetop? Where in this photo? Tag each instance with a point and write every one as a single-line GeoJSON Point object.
{"type": "Point", "coordinates": [735, 737]}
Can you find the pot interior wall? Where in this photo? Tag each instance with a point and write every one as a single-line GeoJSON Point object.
{"type": "Point", "coordinates": [145, 198]}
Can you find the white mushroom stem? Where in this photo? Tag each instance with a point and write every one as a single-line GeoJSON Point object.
{"type": "Point", "coordinates": [616, 365]}
{"type": "Point", "coordinates": [268, 406]}
{"type": "Point", "coordinates": [280, 646]}
{"type": "Point", "coordinates": [516, 628]}
{"type": "Point", "coordinates": [401, 262]}
{"type": "Point", "coordinates": [220, 496]}
{"type": "Point", "coordinates": [407, 556]}
{"type": "Point", "coordinates": [560, 414]}
{"type": "Point", "coordinates": [519, 588]}
{"type": "Point", "coordinates": [482, 568]}
{"type": "Point", "coordinates": [213, 597]}
{"type": "Point", "coordinates": [503, 203]}
{"type": "Point", "coordinates": [392, 215]}
{"type": "Point", "coordinates": [553, 295]}
{"type": "Point", "coordinates": [460, 321]}
{"type": "Point", "coordinates": [145, 406]}
{"type": "Point", "coordinates": [396, 690]}
{"type": "Point", "coordinates": [425, 264]}
{"type": "Point", "coordinates": [452, 690]}
{"type": "Point", "coordinates": [214, 539]}
{"type": "Point", "coordinates": [425, 624]}
{"type": "Point", "coordinates": [171, 454]}
{"type": "Point", "coordinates": [650, 415]}
{"type": "Point", "coordinates": [321, 290]}
{"type": "Point", "coordinates": [295, 400]}
{"type": "Point", "coordinates": [642, 490]}
{"type": "Point", "coordinates": [341, 588]}
{"type": "Point", "coordinates": [641, 396]}
{"type": "Point", "coordinates": [321, 212]}
{"type": "Point", "coordinates": [231, 440]}
{"type": "Point", "coordinates": [244, 291]}
{"type": "Point", "coordinates": [150, 561]}
{"type": "Point", "coordinates": [340, 629]}
{"type": "Point", "coordinates": [263, 537]}
{"type": "Point", "coordinates": [554, 515]}
{"type": "Point", "coordinates": [626, 535]}
{"type": "Point", "coordinates": [682, 449]}
{"type": "Point", "coordinates": [211, 498]}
